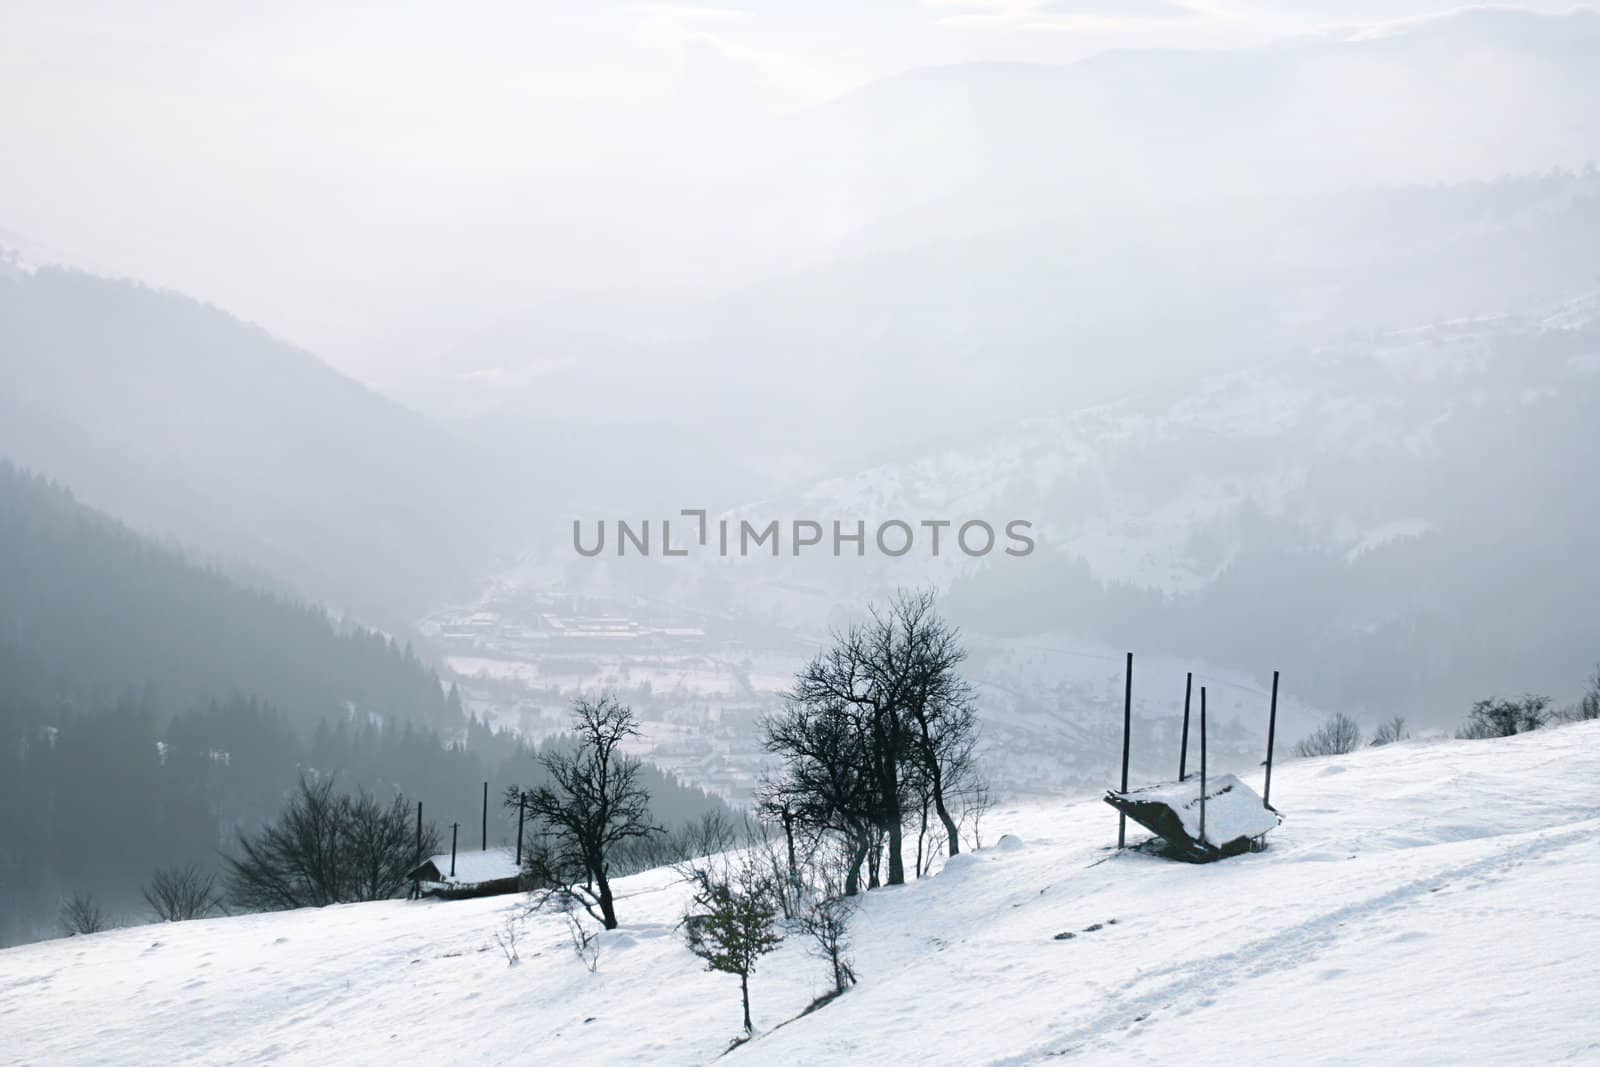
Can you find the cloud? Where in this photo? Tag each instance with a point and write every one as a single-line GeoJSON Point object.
{"type": "Point", "coordinates": [1108, 15]}
{"type": "Point", "coordinates": [1136, 9]}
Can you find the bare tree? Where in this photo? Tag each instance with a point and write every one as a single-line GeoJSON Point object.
{"type": "Point", "coordinates": [776, 802]}
{"type": "Point", "coordinates": [325, 848]}
{"type": "Point", "coordinates": [293, 862]}
{"type": "Point", "coordinates": [827, 784]}
{"type": "Point", "coordinates": [1390, 731]}
{"type": "Point", "coordinates": [939, 705]}
{"type": "Point", "coordinates": [707, 835]}
{"type": "Point", "coordinates": [876, 721]}
{"type": "Point", "coordinates": [1338, 736]}
{"type": "Point", "coordinates": [826, 920]}
{"type": "Point", "coordinates": [763, 848]}
{"type": "Point", "coordinates": [594, 805]}
{"type": "Point", "coordinates": [1504, 718]}
{"type": "Point", "coordinates": [377, 846]}
{"type": "Point", "coordinates": [177, 894]}
{"type": "Point", "coordinates": [1589, 704]}
{"type": "Point", "coordinates": [732, 922]}
{"type": "Point", "coordinates": [976, 801]}
{"type": "Point", "coordinates": [506, 937]}
{"type": "Point", "coordinates": [82, 914]}
{"type": "Point", "coordinates": [585, 942]}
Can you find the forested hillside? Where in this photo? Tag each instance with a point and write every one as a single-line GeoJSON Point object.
{"type": "Point", "coordinates": [98, 610]}
{"type": "Point", "coordinates": [149, 709]}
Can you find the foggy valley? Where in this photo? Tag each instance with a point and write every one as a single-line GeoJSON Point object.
{"type": "Point", "coordinates": [1262, 341]}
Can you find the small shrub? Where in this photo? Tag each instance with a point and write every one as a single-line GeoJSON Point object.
{"type": "Point", "coordinates": [1505, 718]}
{"type": "Point", "coordinates": [82, 914]}
{"type": "Point", "coordinates": [585, 942]}
{"type": "Point", "coordinates": [732, 922]}
{"type": "Point", "coordinates": [1391, 731]}
{"type": "Point", "coordinates": [506, 937]}
{"type": "Point", "coordinates": [177, 894]}
{"type": "Point", "coordinates": [1589, 704]}
{"type": "Point", "coordinates": [1338, 736]}
{"type": "Point", "coordinates": [826, 920]}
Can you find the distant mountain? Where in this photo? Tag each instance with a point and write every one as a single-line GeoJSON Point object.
{"type": "Point", "coordinates": [1402, 522]}
{"type": "Point", "coordinates": [959, 150]}
{"type": "Point", "coordinates": [891, 352]}
{"type": "Point", "coordinates": [192, 425]}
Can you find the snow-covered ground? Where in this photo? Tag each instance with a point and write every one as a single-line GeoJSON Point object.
{"type": "Point", "coordinates": [1428, 902]}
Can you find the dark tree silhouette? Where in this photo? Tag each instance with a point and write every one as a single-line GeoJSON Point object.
{"type": "Point", "coordinates": [1504, 718]}
{"type": "Point", "coordinates": [326, 848]}
{"type": "Point", "coordinates": [877, 721]}
{"type": "Point", "coordinates": [177, 894]}
{"type": "Point", "coordinates": [82, 914]}
{"type": "Point", "coordinates": [594, 804]}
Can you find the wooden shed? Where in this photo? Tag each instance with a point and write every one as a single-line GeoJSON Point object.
{"type": "Point", "coordinates": [483, 873]}
{"type": "Point", "coordinates": [1229, 819]}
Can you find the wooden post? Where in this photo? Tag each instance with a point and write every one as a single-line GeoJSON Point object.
{"type": "Point", "coordinates": [1202, 766]}
{"type": "Point", "coordinates": [1272, 734]}
{"type": "Point", "coordinates": [522, 803]}
{"type": "Point", "coordinates": [453, 828]}
{"type": "Point", "coordinates": [1127, 736]}
{"type": "Point", "coordinates": [1183, 756]}
{"type": "Point", "coordinates": [416, 883]}
{"type": "Point", "coordinates": [486, 816]}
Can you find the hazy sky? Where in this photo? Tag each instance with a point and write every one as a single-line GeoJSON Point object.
{"type": "Point", "coordinates": [327, 168]}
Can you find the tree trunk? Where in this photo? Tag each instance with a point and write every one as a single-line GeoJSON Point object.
{"type": "Point", "coordinates": [852, 877]}
{"type": "Point", "coordinates": [949, 824]}
{"type": "Point", "coordinates": [744, 993]}
{"type": "Point", "coordinates": [892, 815]}
{"type": "Point", "coordinates": [608, 907]}
{"type": "Point", "coordinates": [922, 836]}
{"type": "Point", "coordinates": [788, 834]}
{"type": "Point", "coordinates": [936, 774]}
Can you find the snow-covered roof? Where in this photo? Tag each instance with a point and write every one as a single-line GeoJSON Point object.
{"type": "Point", "coordinates": [472, 868]}
{"type": "Point", "coordinates": [1233, 809]}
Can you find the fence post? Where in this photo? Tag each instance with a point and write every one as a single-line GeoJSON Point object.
{"type": "Point", "coordinates": [453, 828]}
{"type": "Point", "coordinates": [1202, 766]}
{"type": "Point", "coordinates": [1272, 734]}
{"type": "Point", "coordinates": [1183, 756]}
{"type": "Point", "coordinates": [522, 803]}
{"type": "Point", "coordinates": [1127, 736]}
{"type": "Point", "coordinates": [486, 816]}
{"type": "Point", "coordinates": [416, 883]}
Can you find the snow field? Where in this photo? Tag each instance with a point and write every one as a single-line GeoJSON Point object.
{"type": "Point", "coordinates": [1425, 902]}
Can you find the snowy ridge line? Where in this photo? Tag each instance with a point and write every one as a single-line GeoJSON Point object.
{"type": "Point", "coordinates": [1197, 980]}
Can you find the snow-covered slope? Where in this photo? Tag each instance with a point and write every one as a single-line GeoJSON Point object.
{"type": "Point", "coordinates": [1425, 902]}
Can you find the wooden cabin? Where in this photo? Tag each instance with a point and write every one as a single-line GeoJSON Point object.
{"type": "Point", "coordinates": [484, 873]}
